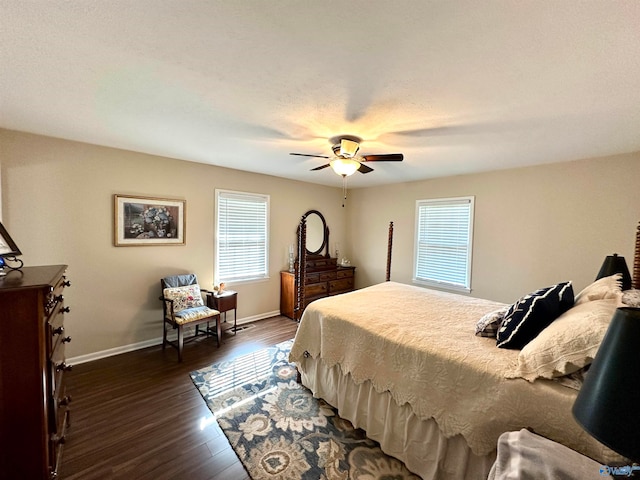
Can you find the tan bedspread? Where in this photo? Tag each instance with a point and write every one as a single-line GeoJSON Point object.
{"type": "Point", "coordinates": [419, 345]}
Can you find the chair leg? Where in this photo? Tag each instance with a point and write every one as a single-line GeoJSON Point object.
{"type": "Point", "coordinates": [164, 334]}
{"type": "Point", "coordinates": [180, 342]}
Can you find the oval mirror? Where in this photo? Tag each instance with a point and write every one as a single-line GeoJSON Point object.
{"type": "Point", "coordinates": [316, 232]}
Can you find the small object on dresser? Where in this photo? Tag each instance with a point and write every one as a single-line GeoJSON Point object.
{"type": "Point", "coordinates": [631, 298]}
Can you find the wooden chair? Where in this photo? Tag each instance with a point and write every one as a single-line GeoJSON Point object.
{"type": "Point", "coordinates": [182, 306]}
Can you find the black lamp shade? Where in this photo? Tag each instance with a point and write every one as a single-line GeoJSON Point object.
{"type": "Point", "coordinates": [608, 404]}
{"type": "Point", "coordinates": [616, 264]}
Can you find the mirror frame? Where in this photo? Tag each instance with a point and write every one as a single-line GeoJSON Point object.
{"type": "Point", "coordinates": [325, 238]}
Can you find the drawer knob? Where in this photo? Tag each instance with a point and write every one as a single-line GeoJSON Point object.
{"type": "Point", "coordinates": [66, 283]}
{"type": "Point", "coordinates": [58, 331]}
{"type": "Point", "coordinates": [63, 367]}
{"type": "Point", "coordinates": [65, 310]}
{"type": "Point", "coordinates": [58, 298]}
{"type": "Point", "coordinates": [66, 339]}
{"type": "Point", "coordinates": [64, 401]}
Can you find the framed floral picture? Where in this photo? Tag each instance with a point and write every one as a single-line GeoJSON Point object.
{"type": "Point", "coordinates": [148, 221]}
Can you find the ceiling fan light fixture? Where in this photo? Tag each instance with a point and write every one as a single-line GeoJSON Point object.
{"type": "Point", "coordinates": [344, 166]}
{"type": "Point", "coordinates": [348, 148]}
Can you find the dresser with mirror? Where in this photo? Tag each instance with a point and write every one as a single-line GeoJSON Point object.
{"type": "Point", "coordinates": [315, 273]}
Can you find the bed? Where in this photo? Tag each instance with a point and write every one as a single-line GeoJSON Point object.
{"type": "Point", "coordinates": [403, 363]}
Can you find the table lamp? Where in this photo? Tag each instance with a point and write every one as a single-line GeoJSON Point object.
{"type": "Point", "coordinates": [615, 264]}
{"type": "Point", "coordinates": [607, 404]}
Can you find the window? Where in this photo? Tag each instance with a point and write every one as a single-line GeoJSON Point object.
{"type": "Point", "coordinates": [242, 233]}
{"type": "Point", "coordinates": [444, 233]}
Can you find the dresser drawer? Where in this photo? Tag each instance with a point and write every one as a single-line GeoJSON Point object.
{"type": "Point", "coordinates": [315, 289]}
{"type": "Point", "coordinates": [59, 403]}
{"type": "Point", "coordinates": [344, 273]}
{"type": "Point", "coordinates": [321, 264]}
{"type": "Point", "coordinates": [342, 285]}
{"type": "Point", "coordinates": [55, 297]}
{"type": "Point", "coordinates": [56, 443]}
{"type": "Point", "coordinates": [55, 332]}
{"type": "Point", "coordinates": [58, 399]}
{"type": "Point", "coordinates": [57, 367]}
{"type": "Point", "coordinates": [325, 276]}
{"type": "Point", "coordinates": [312, 278]}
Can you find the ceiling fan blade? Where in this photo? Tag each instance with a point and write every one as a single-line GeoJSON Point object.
{"type": "Point", "coordinates": [365, 168]}
{"type": "Point", "coordinates": [390, 157]}
{"type": "Point", "coordinates": [320, 167]}
{"type": "Point", "coordinates": [305, 155]}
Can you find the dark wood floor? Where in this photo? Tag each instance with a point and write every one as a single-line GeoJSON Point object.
{"type": "Point", "coordinates": [139, 416]}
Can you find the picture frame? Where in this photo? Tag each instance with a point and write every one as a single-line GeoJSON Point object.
{"type": "Point", "coordinates": [8, 247]}
{"type": "Point", "coordinates": [140, 221]}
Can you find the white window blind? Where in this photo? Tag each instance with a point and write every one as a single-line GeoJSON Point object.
{"type": "Point", "coordinates": [443, 244]}
{"type": "Point", "coordinates": [242, 233]}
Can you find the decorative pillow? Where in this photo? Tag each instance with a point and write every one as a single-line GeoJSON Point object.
{"type": "Point", "coordinates": [568, 344]}
{"type": "Point", "coordinates": [184, 297]}
{"type": "Point", "coordinates": [489, 324]}
{"type": "Point", "coordinates": [605, 287]}
{"type": "Point", "coordinates": [532, 313]}
{"type": "Point", "coordinates": [631, 298]}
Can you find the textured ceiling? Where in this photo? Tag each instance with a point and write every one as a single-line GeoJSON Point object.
{"type": "Point", "coordinates": [457, 86]}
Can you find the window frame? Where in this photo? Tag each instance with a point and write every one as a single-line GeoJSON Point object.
{"type": "Point", "coordinates": [439, 283]}
{"type": "Point", "coordinates": [258, 197]}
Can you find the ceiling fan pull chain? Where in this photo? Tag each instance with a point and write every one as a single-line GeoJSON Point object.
{"type": "Point", "coordinates": [344, 189]}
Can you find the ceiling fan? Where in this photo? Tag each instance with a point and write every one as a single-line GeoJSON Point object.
{"type": "Point", "coordinates": [346, 161]}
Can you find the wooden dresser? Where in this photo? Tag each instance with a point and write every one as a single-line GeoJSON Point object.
{"type": "Point", "coordinates": [323, 277]}
{"type": "Point", "coordinates": [33, 404]}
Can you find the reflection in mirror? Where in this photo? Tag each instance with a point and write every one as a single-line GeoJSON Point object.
{"type": "Point", "coordinates": [316, 232]}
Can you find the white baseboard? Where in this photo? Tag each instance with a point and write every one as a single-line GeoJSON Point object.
{"type": "Point", "coordinates": [90, 357]}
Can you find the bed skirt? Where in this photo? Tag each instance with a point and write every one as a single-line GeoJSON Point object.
{"type": "Point", "coordinates": [418, 443]}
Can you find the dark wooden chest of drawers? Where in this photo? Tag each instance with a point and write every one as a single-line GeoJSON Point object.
{"type": "Point", "coordinates": [34, 407]}
{"type": "Point", "coordinates": [323, 277]}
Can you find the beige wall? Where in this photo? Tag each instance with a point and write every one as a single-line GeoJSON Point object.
{"type": "Point", "coordinates": [58, 207]}
{"type": "Point", "coordinates": [533, 226]}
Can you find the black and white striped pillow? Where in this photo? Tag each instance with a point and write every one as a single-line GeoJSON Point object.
{"type": "Point", "coordinates": [527, 317]}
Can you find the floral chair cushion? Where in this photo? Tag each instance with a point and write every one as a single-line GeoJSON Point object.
{"type": "Point", "coordinates": [196, 313]}
{"type": "Point", "coordinates": [184, 297]}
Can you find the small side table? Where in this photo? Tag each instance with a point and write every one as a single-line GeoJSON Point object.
{"type": "Point", "coordinates": [225, 301]}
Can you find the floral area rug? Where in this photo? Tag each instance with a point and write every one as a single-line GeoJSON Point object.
{"type": "Point", "coordinates": [280, 431]}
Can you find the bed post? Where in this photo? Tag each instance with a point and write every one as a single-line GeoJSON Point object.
{"type": "Point", "coordinates": [389, 245]}
{"type": "Point", "coordinates": [302, 267]}
{"type": "Point", "coordinates": [636, 261]}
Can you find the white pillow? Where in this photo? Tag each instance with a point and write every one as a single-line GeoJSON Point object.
{"type": "Point", "coordinates": [606, 287]}
{"type": "Point", "coordinates": [567, 344]}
